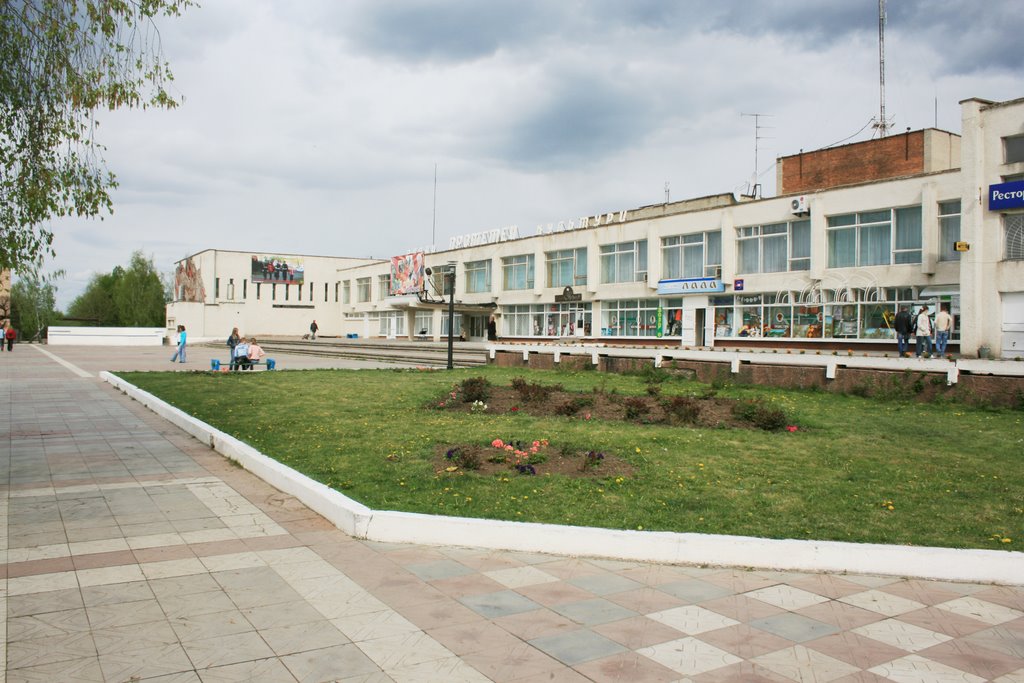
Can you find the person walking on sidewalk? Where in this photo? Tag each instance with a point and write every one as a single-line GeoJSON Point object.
{"type": "Point", "coordinates": [9, 335]}
{"type": "Point", "coordinates": [904, 326]}
{"type": "Point", "coordinates": [312, 329]}
{"type": "Point", "coordinates": [179, 354]}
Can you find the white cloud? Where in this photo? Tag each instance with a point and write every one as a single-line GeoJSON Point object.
{"type": "Point", "coordinates": [315, 127]}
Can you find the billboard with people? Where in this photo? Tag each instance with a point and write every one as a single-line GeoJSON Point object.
{"type": "Point", "coordinates": [284, 269]}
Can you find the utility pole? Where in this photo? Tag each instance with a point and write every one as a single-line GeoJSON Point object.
{"type": "Point", "coordinates": [883, 125]}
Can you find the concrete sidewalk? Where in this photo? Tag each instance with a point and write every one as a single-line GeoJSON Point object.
{"type": "Point", "coordinates": [134, 552]}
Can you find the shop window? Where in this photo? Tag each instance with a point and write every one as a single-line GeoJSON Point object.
{"type": "Point", "coordinates": [1014, 225]}
{"type": "Point", "coordinates": [629, 318]}
{"type": "Point", "coordinates": [1013, 149]}
{"type": "Point", "coordinates": [624, 262]}
{"type": "Point", "coordinates": [567, 267]}
{"type": "Point", "coordinates": [949, 230]}
{"type": "Point", "coordinates": [517, 272]}
{"type": "Point", "coordinates": [478, 276]}
{"type": "Point", "coordinates": [424, 323]}
{"type": "Point", "coordinates": [691, 256]}
{"type": "Point", "coordinates": [362, 289]}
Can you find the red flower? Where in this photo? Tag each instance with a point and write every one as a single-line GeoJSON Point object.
{"type": "Point", "coordinates": [791, 428]}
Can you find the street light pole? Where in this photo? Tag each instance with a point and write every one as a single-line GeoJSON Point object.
{"type": "Point", "coordinates": [450, 277]}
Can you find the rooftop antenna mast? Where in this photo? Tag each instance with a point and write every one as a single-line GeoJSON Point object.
{"type": "Point", "coordinates": [882, 125]}
{"type": "Point", "coordinates": [755, 187]}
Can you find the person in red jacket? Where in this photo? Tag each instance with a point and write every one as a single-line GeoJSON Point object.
{"type": "Point", "coordinates": [9, 335]}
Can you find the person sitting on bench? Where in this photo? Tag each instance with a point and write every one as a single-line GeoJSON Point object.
{"type": "Point", "coordinates": [240, 361]}
{"type": "Point", "coordinates": [256, 354]}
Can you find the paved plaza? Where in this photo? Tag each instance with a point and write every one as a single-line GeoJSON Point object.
{"type": "Point", "coordinates": [134, 552]}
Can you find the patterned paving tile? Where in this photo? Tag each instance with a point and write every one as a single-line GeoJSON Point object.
{"type": "Point", "coordinates": [593, 612]}
{"type": "Point", "coordinates": [799, 663]}
{"type": "Point", "coordinates": [333, 663]}
{"type": "Point", "coordinates": [906, 637]}
{"type": "Point", "coordinates": [988, 612]}
{"type": "Point", "coordinates": [604, 584]}
{"type": "Point", "coordinates": [691, 619]}
{"type": "Point", "coordinates": [499, 604]}
{"type": "Point", "coordinates": [577, 647]}
{"type": "Point", "coordinates": [795, 627]}
{"type": "Point", "coordinates": [973, 658]}
{"type": "Point", "coordinates": [517, 577]}
{"type": "Point", "coordinates": [637, 632]}
{"type": "Point", "coordinates": [881, 602]}
{"type": "Point", "coordinates": [627, 667]}
{"type": "Point", "coordinates": [917, 669]}
{"type": "Point", "coordinates": [855, 649]}
{"type": "Point", "coordinates": [689, 656]}
{"type": "Point", "coordinates": [786, 597]}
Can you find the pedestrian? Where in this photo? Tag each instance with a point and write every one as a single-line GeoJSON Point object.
{"type": "Point", "coordinates": [943, 328]}
{"type": "Point", "coordinates": [904, 326]}
{"type": "Point", "coordinates": [312, 329]}
{"type": "Point", "coordinates": [3, 334]}
{"type": "Point", "coordinates": [256, 353]}
{"type": "Point", "coordinates": [233, 340]}
{"type": "Point", "coordinates": [179, 354]}
{"type": "Point", "coordinates": [9, 335]}
{"type": "Point", "coordinates": [240, 357]}
{"type": "Point", "coordinates": [492, 329]}
{"type": "Point", "coordinates": [923, 332]}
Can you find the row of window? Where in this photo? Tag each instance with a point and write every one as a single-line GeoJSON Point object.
{"type": "Point", "coordinates": [286, 288]}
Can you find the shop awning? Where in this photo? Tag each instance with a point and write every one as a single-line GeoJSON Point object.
{"type": "Point", "coordinates": [940, 290]}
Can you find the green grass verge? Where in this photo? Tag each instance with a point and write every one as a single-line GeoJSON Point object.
{"type": "Point", "coordinates": [857, 470]}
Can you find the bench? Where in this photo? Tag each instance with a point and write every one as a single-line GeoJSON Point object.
{"type": "Point", "coordinates": [215, 363]}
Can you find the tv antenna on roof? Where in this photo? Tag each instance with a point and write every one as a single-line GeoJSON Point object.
{"type": "Point", "coordinates": [882, 125]}
{"type": "Point", "coordinates": [755, 187]}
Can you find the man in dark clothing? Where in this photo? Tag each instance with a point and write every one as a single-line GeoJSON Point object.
{"type": "Point", "coordinates": [312, 329]}
{"type": "Point", "coordinates": [904, 327]}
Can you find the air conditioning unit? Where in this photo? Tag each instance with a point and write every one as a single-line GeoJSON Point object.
{"type": "Point", "coordinates": [800, 206]}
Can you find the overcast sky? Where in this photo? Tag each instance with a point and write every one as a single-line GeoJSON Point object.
{"type": "Point", "coordinates": [314, 127]}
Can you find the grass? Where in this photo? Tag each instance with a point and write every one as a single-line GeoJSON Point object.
{"type": "Point", "coordinates": [856, 469]}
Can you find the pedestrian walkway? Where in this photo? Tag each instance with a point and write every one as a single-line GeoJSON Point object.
{"type": "Point", "coordinates": [133, 552]}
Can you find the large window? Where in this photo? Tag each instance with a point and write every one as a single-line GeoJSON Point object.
{"type": "Point", "coordinates": [383, 286]}
{"type": "Point", "coordinates": [362, 289]}
{"type": "Point", "coordinates": [1014, 237]}
{"type": "Point", "coordinates": [624, 262]}
{"type": "Point", "coordinates": [687, 256]}
{"type": "Point", "coordinates": [424, 323]}
{"type": "Point", "coordinates": [868, 239]}
{"type": "Point", "coordinates": [629, 318]}
{"type": "Point", "coordinates": [517, 272]}
{"type": "Point", "coordinates": [478, 276]}
{"type": "Point", "coordinates": [547, 320]}
{"type": "Point", "coordinates": [949, 230]}
{"type": "Point", "coordinates": [346, 292]}
{"type": "Point", "coordinates": [774, 248]}
{"type": "Point", "coordinates": [567, 268]}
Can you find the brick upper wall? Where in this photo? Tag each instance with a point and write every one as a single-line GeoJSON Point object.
{"type": "Point", "coordinates": [889, 157]}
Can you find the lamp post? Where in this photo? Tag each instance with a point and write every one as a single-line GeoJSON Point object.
{"type": "Point", "coordinates": [449, 278]}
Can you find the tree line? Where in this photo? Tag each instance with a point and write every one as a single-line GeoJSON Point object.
{"type": "Point", "coordinates": [131, 296]}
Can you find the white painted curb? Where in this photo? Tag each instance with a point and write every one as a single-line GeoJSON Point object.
{"type": "Point", "coordinates": [355, 519]}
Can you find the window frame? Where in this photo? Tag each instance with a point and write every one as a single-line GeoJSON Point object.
{"type": "Point", "coordinates": [473, 272]}
{"type": "Point", "coordinates": [517, 272]}
{"type": "Point", "coordinates": [611, 254]}
{"type": "Point", "coordinates": [575, 258]}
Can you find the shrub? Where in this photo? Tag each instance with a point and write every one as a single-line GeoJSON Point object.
{"type": "Point", "coordinates": [635, 407]}
{"type": "Point", "coordinates": [574, 405]}
{"type": "Point", "coordinates": [683, 408]}
{"type": "Point", "coordinates": [591, 459]}
{"type": "Point", "coordinates": [761, 416]}
{"type": "Point", "coordinates": [475, 389]}
{"type": "Point", "coordinates": [531, 392]}
{"type": "Point", "coordinates": [462, 458]}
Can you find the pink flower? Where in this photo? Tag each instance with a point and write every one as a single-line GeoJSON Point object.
{"type": "Point", "coordinates": [498, 443]}
{"type": "Point", "coordinates": [586, 416]}
{"type": "Point", "coordinates": [536, 444]}
{"type": "Point", "coordinates": [515, 409]}
{"type": "Point", "coordinates": [791, 428]}
{"type": "Point", "coordinates": [543, 442]}
{"type": "Point", "coordinates": [509, 448]}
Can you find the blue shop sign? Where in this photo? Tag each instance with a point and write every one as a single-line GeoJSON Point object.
{"type": "Point", "coordinates": [1006, 196]}
{"type": "Point", "coordinates": [696, 285]}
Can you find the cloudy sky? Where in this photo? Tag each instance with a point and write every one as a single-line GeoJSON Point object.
{"type": "Point", "coordinates": [314, 127]}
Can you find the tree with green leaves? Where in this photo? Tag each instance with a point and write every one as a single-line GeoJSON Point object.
{"type": "Point", "coordinates": [33, 306]}
{"type": "Point", "coordinates": [61, 61]}
{"type": "Point", "coordinates": [135, 296]}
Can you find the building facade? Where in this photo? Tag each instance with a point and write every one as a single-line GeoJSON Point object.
{"type": "Point", "coordinates": [856, 232]}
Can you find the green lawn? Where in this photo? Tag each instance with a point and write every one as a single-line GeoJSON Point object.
{"type": "Point", "coordinates": [856, 470]}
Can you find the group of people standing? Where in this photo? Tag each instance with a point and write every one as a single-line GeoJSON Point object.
{"type": "Point", "coordinates": [922, 327]}
{"type": "Point", "coordinates": [244, 352]}
{"type": "Point", "coordinates": [7, 335]}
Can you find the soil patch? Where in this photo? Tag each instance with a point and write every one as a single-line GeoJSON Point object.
{"type": "Point", "coordinates": [488, 461]}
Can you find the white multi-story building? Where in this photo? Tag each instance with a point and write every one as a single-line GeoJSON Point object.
{"type": "Point", "coordinates": [922, 218]}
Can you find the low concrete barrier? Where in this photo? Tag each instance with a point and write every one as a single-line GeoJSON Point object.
{"type": "Point", "coordinates": [106, 336]}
